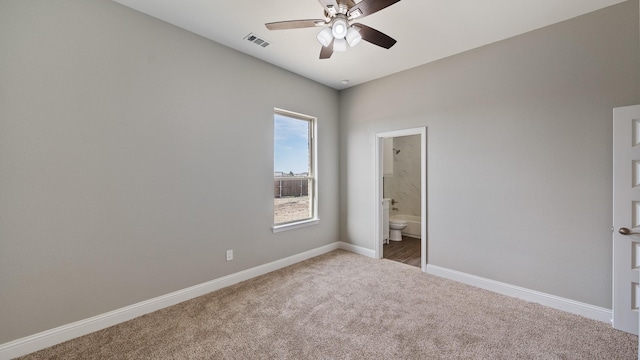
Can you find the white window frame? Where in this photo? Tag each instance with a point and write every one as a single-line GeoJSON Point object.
{"type": "Point", "coordinates": [313, 173]}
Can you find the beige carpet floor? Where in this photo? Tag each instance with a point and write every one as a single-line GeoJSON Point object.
{"type": "Point", "coordinates": [346, 306]}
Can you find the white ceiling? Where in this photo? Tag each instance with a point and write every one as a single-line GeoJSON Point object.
{"type": "Point", "coordinates": [426, 30]}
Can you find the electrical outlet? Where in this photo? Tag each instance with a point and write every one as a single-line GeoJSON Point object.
{"type": "Point", "coordinates": [229, 255]}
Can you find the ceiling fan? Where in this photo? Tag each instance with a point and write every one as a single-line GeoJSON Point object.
{"type": "Point", "coordinates": [339, 26]}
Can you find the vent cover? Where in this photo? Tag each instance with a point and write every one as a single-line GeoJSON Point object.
{"type": "Point", "coordinates": [257, 40]}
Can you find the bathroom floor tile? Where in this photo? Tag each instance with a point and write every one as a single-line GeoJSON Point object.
{"type": "Point", "coordinates": [406, 251]}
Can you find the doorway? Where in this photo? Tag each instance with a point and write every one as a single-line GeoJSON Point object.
{"type": "Point", "coordinates": [379, 191]}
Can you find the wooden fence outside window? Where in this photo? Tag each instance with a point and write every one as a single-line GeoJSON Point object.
{"type": "Point", "coordinates": [287, 186]}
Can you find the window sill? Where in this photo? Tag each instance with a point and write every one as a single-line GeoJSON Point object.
{"type": "Point", "coordinates": [295, 225]}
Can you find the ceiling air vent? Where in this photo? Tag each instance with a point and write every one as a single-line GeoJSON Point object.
{"type": "Point", "coordinates": [257, 40]}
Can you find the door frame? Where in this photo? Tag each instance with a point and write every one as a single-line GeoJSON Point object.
{"type": "Point", "coordinates": [378, 213]}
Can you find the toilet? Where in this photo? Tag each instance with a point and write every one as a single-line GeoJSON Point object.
{"type": "Point", "coordinates": [395, 229]}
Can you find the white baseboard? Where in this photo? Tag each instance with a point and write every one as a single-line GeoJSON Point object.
{"type": "Point", "coordinates": [556, 302]}
{"type": "Point", "coordinates": [357, 249]}
{"type": "Point", "coordinates": [63, 333]}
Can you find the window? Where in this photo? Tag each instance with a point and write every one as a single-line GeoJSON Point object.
{"type": "Point", "coordinates": [294, 173]}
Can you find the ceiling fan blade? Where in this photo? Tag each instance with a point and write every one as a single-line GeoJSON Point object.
{"type": "Point", "coordinates": [368, 7]}
{"type": "Point", "coordinates": [375, 37]}
{"type": "Point", "coordinates": [295, 24]}
{"type": "Point", "coordinates": [326, 51]}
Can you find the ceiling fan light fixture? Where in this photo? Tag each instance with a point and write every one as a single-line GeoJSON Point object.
{"type": "Point", "coordinates": [353, 36]}
{"type": "Point", "coordinates": [339, 45]}
{"type": "Point", "coordinates": [336, 26]}
{"type": "Point", "coordinates": [325, 37]}
{"type": "Point", "coordinates": [339, 28]}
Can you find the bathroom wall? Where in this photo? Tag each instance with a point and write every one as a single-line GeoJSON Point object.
{"type": "Point", "coordinates": [404, 185]}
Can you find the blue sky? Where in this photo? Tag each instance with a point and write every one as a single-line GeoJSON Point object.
{"type": "Point", "coordinates": [291, 144]}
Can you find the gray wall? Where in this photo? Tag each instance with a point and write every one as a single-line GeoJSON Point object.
{"type": "Point", "coordinates": [519, 147]}
{"type": "Point", "coordinates": [132, 155]}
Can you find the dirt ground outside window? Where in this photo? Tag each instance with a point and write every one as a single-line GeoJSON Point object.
{"type": "Point", "coordinates": [288, 209]}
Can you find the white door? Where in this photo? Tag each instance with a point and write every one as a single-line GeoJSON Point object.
{"type": "Point", "coordinates": [626, 218]}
